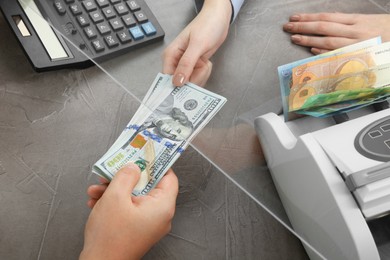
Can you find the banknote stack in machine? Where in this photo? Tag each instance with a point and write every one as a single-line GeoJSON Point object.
{"type": "Point", "coordinates": [167, 120]}
{"type": "Point", "coordinates": [338, 81]}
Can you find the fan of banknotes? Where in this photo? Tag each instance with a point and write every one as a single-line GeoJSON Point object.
{"type": "Point", "coordinates": [167, 120]}
{"type": "Point", "coordinates": [338, 81]}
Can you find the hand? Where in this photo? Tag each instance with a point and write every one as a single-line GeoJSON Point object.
{"type": "Point", "coordinates": [187, 57]}
{"type": "Point", "coordinates": [324, 32]}
{"type": "Point", "coordinates": [122, 226]}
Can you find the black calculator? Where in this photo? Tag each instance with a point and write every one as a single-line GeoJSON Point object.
{"type": "Point", "coordinates": [58, 34]}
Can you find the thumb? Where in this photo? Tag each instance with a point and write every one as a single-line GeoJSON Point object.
{"type": "Point", "coordinates": [186, 64]}
{"type": "Point", "coordinates": [125, 180]}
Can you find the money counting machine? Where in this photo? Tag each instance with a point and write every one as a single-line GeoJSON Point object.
{"type": "Point", "coordinates": [333, 178]}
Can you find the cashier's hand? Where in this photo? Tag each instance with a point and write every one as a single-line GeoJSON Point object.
{"type": "Point", "coordinates": [188, 56]}
{"type": "Point", "coordinates": [122, 226]}
{"type": "Point", "coordinates": [324, 32]}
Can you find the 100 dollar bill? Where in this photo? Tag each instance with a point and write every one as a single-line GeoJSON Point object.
{"type": "Point", "coordinates": [160, 131]}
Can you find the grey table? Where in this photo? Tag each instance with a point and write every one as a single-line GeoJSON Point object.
{"type": "Point", "coordinates": [55, 125]}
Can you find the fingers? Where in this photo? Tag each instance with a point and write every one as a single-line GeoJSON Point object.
{"type": "Point", "coordinates": [319, 42]}
{"type": "Point", "coordinates": [167, 187]}
{"type": "Point", "coordinates": [103, 180]}
{"type": "Point", "coordinates": [124, 181]}
{"type": "Point", "coordinates": [187, 63]}
{"type": "Point", "coordinates": [91, 203]}
{"type": "Point", "coordinates": [161, 199]}
{"type": "Point", "coordinates": [201, 73]}
{"type": "Point", "coordinates": [317, 51]}
{"type": "Point", "coordinates": [342, 18]}
{"type": "Point", "coordinates": [173, 54]}
{"type": "Point", "coordinates": [325, 31]}
{"type": "Point", "coordinates": [171, 57]}
{"type": "Point", "coordinates": [96, 191]}
{"type": "Point", "coordinates": [320, 28]}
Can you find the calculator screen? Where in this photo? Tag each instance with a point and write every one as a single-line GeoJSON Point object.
{"type": "Point", "coordinates": [45, 33]}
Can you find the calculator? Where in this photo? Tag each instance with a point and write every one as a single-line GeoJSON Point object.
{"type": "Point", "coordinates": [56, 34]}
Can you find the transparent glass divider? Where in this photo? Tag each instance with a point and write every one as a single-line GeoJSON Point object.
{"type": "Point", "coordinates": [244, 71]}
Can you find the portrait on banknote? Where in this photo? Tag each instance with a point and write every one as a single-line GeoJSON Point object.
{"type": "Point", "coordinates": [174, 126]}
{"type": "Point", "coordinates": [168, 122]}
{"type": "Point", "coordinates": [160, 131]}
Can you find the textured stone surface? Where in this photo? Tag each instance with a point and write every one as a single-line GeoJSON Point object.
{"type": "Point", "coordinates": [55, 125]}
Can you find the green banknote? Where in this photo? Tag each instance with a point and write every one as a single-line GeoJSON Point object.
{"type": "Point", "coordinates": [160, 131]}
{"type": "Point", "coordinates": [344, 106]}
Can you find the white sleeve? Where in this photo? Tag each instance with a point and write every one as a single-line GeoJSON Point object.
{"type": "Point", "coordinates": [236, 7]}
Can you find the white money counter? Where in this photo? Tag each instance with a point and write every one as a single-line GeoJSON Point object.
{"type": "Point", "coordinates": [333, 178]}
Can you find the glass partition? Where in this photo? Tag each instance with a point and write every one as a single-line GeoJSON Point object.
{"type": "Point", "coordinates": [244, 71]}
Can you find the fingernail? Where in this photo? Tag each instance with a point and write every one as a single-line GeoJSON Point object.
{"type": "Point", "coordinates": [296, 38]}
{"type": "Point", "coordinates": [179, 78]}
{"type": "Point", "coordinates": [295, 18]}
{"type": "Point", "coordinates": [317, 51]}
{"type": "Point", "coordinates": [288, 26]}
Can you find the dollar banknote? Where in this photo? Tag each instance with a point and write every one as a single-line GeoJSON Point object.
{"type": "Point", "coordinates": [285, 71]}
{"type": "Point", "coordinates": [159, 132]}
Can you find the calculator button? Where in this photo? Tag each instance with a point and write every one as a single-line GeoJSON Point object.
{"type": "Point", "coordinates": [140, 16]}
{"type": "Point", "coordinates": [124, 36]}
{"type": "Point", "coordinates": [115, 1]}
{"type": "Point", "coordinates": [148, 28]}
{"type": "Point", "coordinates": [69, 1]}
{"type": "Point", "coordinates": [108, 12]}
{"type": "Point", "coordinates": [111, 41]}
{"type": "Point", "coordinates": [98, 45]}
{"type": "Point", "coordinates": [102, 3]}
{"type": "Point", "coordinates": [82, 20]}
{"type": "Point", "coordinates": [116, 24]}
{"type": "Point", "coordinates": [96, 17]}
{"type": "Point", "coordinates": [136, 32]}
{"type": "Point", "coordinates": [89, 5]}
{"type": "Point", "coordinates": [90, 32]}
{"type": "Point", "coordinates": [103, 28]}
{"type": "Point", "coordinates": [129, 20]}
{"type": "Point", "coordinates": [75, 9]}
{"type": "Point", "coordinates": [133, 5]}
{"type": "Point", "coordinates": [60, 7]}
{"type": "Point", "coordinates": [121, 9]}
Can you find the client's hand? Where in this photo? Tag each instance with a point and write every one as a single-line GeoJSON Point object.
{"type": "Point", "coordinates": [122, 226]}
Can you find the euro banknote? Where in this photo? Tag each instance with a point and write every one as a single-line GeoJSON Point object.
{"type": "Point", "coordinates": [285, 71]}
{"type": "Point", "coordinates": [338, 88]}
{"type": "Point", "coordinates": [349, 72]}
{"type": "Point", "coordinates": [345, 106]}
{"type": "Point", "coordinates": [338, 83]}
